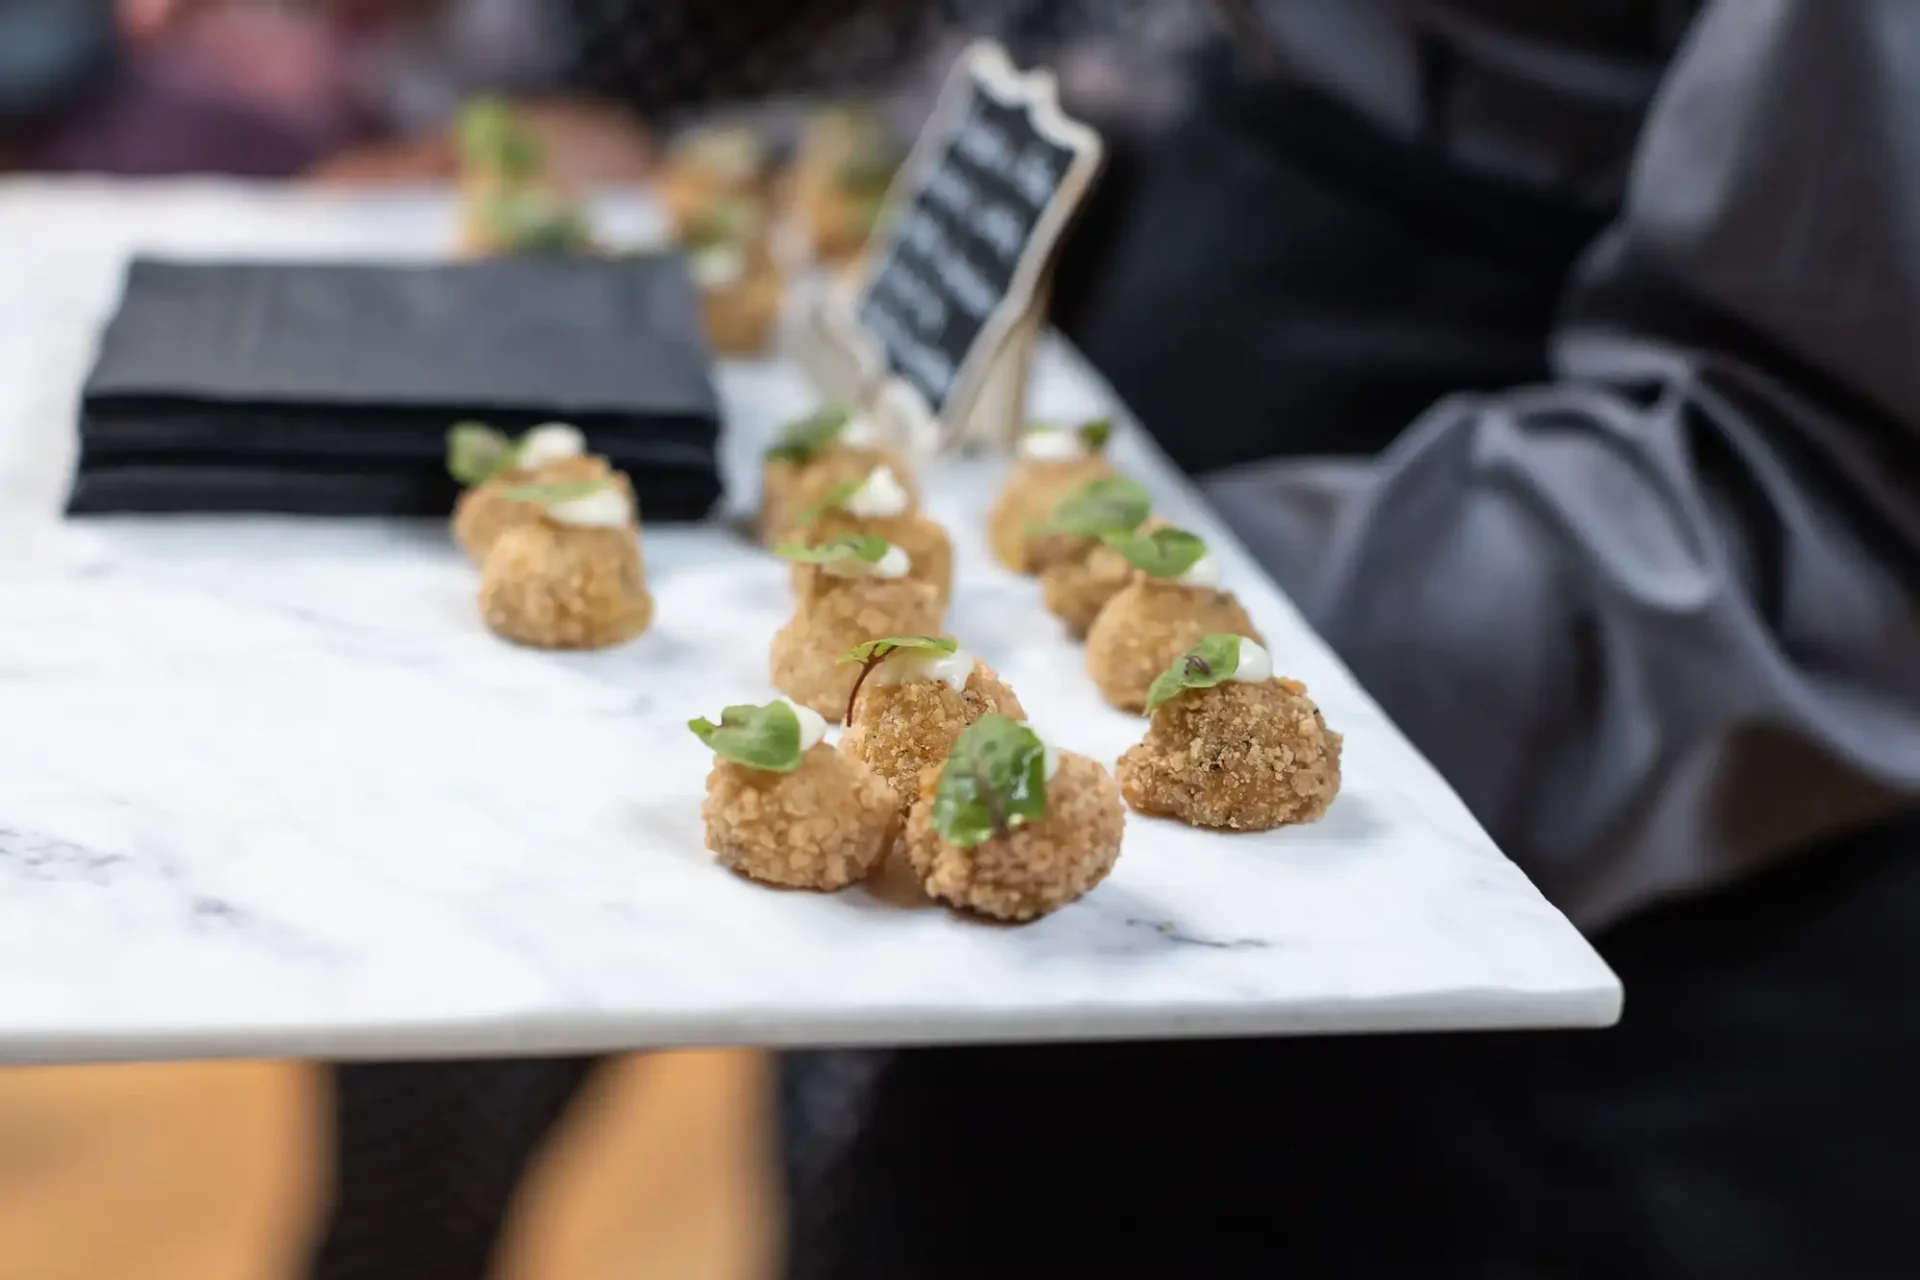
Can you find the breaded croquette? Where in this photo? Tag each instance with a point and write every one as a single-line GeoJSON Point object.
{"type": "Point", "coordinates": [1033, 868]}
{"type": "Point", "coordinates": [913, 704]}
{"type": "Point", "coordinates": [837, 612]}
{"type": "Point", "coordinates": [572, 579]}
{"type": "Point", "coordinates": [1248, 753]}
{"type": "Point", "coordinates": [823, 826]}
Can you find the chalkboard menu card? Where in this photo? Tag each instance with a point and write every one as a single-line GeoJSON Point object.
{"type": "Point", "coordinates": [954, 281]}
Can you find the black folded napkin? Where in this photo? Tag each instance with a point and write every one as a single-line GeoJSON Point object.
{"type": "Point", "coordinates": [328, 389]}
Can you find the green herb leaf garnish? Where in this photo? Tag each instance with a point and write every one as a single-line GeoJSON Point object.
{"type": "Point", "coordinates": [868, 548]}
{"type": "Point", "coordinates": [548, 495]}
{"type": "Point", "coordinates": [492, 137]}
{"type": "Point", "coordinates": [759, 737]}
{"type": "Point", "coordinates": [995, 779]}
{"type": "Point", "coordinates": [1164, 553]}
{"type": "Point", "coordinates": [874, 652]}
{"type": "Point", "coordinates": [1212, 660]}
{"type": "Point", "coordinates": [727, 223]}
{"type": "Point", "coordinates": [833, 499]}
{"type": "Point", "coordinates": [477, 452]}
{"type": "Point", "coordinates": [1100, 507]}
{"type": "Point", "coordinates": [1095, 434]}
{"type": "Point", "coordinates": [528, 220]}
{"type": "Point", "coordinates": [801, 439]}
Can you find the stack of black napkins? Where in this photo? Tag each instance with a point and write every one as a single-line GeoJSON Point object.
{"type": "Point", "coordinates": [328, 389]}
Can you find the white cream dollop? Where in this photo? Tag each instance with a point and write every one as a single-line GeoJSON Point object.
{"type": "Point", "coordinates": [1049, 758]}
{"type": "Point", "coordinates": [904, 666]}
{"type": "Point", "coordinates": [604, 508]}
{"type": "Point", "coordinates": [1204, 573]}
{"type": "Point", "coordinates": [720, 266]}
{"type": "Point", "coordinates": [549, 442]}
{"type": "Point", "coordinates": [813, 726]}
{"type": "Point", "coordinates": [1256, 664]}
{"type": "Point", "coordinates": [860, 433]}
{"type": "Point", "coordinates": [879, 497]}
{"type": "Point", "coordinates": [894, 564]}
{"type": "Point", "coordinates": [1051, 445]}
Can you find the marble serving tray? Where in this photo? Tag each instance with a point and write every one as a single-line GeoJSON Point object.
{"type": "Point", "coordinates": [268, 787]}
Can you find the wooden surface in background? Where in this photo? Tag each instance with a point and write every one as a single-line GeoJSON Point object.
{"type": "Point", "coordinates": [214, 1172]}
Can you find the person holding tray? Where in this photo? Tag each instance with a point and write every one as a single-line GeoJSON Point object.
{"type": "Point", "coordinates": [1646, 597]}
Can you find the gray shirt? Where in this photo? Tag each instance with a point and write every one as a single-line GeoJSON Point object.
{"type": "Point", "coordinates": [1658, 620]}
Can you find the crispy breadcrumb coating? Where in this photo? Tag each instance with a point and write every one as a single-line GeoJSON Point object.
{"type": "Point", "coordinates": [1146, 626]}
{"type": "Point", "coordinates": [900, 729]}
{"type": "Point", "coordinates": [1246, 757]}
{"type": "Point", "coordinates": [560, 587]}
{"type": "Point", "coordinates": [1076, 588]}
{"type": "Point", "coordinates": [823, 826]}
{"type": "Point", "coordinates": [1036, 868]}
{"type": "Point", "coordinates": [739, 317]}
{"type": "Point", "coordinates": [787, 488]}
{"type": "Point", "coordinates": [1028, 498]}
{"type": "Point", "coordinates": [484, 512]}
{"type": "Point", "coordinates": [929, 549]}
{"type": "Point", "coordinates": [834, 615]}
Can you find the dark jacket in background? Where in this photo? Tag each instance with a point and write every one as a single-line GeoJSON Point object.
{"type": "Point", "coordinates": [1654, 615]}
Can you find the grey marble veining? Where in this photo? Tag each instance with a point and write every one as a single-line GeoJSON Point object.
{"type": "Point", "coordinates": [269, 787]}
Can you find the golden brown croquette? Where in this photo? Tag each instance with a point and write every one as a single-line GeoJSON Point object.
{"type": "Point", "coordinates": [788, 488]}
{"type": "Point", "coordinates": [1028, 498]}
{"type": "Point", "coordinates": [1148, 624]}
{"type": "Point", "coordinates": [556, 586]}
{"type": "Point", "coordinates": [484, 512]}
{"type": "Point", "coordinates": [739, 317]}
{"type": "Point", "coordinates": [823, 826]}
{"type": "Point", "coordinates": [923, 539]}
{"type": "Point", "coordinates": [1036, 868]}
{"type": "Point", "coordinates": [1077, 588]}
{"type": "Point", "coordinates": [833, 616]}
{"type": "Point", "coordinates": [900, 729]}
{"type": "Point", "coordinates": [1246, 757]}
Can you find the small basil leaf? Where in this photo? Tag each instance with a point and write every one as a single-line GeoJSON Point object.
{"type": "Point", "coordinates": [1164, 553]}
{"type": "Point", "coordinates": [873, 650]}
{"type": "Point", "coordinates": [800, 440]}
{"type": "Point", "coordinates": [1095, 434]}
{"type": "Point", "coordinates": [534, 221]}
{"type": "Point", "coordinates": [1100, 507]}
{"type": "Point", "coordinates": [865, 547]}
{"type": "Point", "coordinates": [477, 452]}
{"type": "Point", "coordinates": [548, 495]}
{"type": "Point", "coordinates": [492, 137]}
{"type": "Point", "coordinates": [759, 737]}
{"type": "Point", "coordinates": [1213, 659]}
{"type": "Point", "coordinates": [995, 779]}
{"type": "Point", "coordinates": [833, 499]}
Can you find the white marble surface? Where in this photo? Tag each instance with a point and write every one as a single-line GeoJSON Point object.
{"type": "Point", "coordinates": [268, 787]}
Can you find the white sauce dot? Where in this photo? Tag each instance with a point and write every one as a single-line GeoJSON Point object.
{"type": "Point", "coordinates": [1204, 573]}
{"type": "Point", "coordinates": [1052, 446]}
{"type": "Point", "coordinates": [879, 497]}
{"type": "Point", "coordinates": [894, 564]}
{"type": "Point", "coordinates": [813, 726]}
{"type": "Point", "coordinates": [1256, 664]}
{"type": "Point", "coordinates": [549, 442]}
{"type": "Point", "coordinates": [860, 433]}
{"type": "Point", "coordinates": [904, 666]}
{"type": "Point", "coordinates": [607, 508]}
{"type": "Point", "coordinates": [718, 267]}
